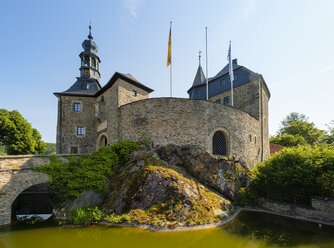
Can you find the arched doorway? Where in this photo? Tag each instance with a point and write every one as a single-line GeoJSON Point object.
{"type": "Point", "coordinates": [219, 144]}
{"type": "Point", "coordinates": [103, 141]}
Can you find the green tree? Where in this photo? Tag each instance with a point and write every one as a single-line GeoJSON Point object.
{"type": "Point", "coordinates": [288, 140]}
{"type": "Point", "coordinates": [18, 135]}
{"type": "Point", "coordinates": [329, 137]}
{"type": "Point", "coordinates": [50, 148]}
{"type": "Point", "coordinates": [298, 124]}
{"type": "Point", "coordinates": [294, 116]}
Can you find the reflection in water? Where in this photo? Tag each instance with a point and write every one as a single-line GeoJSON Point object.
{"type": "Point", "coordinates": [247, 230]}
{"type": "Point", "coordinates": [278, 230]}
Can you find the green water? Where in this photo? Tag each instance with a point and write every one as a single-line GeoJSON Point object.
{"type": "Point", "coordinates": [247, 230]}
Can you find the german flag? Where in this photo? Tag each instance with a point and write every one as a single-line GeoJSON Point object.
{"type": "Point", "coordinates": [169, 56]}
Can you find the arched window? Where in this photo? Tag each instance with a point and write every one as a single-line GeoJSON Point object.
{"type": "Point", "coordinates": [219, 144]}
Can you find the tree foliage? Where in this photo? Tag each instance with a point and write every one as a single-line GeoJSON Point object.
{"type": "Point", "coordinates": [50, 149]}
{"type": "Point", "coordinates": [296, 174]}
{"type": "Point", "coordinates": [294, 116]}
{"type": "Point", "coordinates": [329, 136]}
{"type": "Point", "coordinates": [17, 134]}
{"type": "Point", "coordinates": [298, 124]}
{"type": "Point", "coordinates": [288, 140]}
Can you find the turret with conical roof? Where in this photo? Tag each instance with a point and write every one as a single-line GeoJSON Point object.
{"type": "Point", "coordinates": [199, 78]}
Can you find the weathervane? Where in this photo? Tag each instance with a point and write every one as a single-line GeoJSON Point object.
{"type": "Point", "coordinates": [199, 56]}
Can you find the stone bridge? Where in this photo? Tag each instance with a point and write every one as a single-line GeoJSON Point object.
{"type": "Point", "coordinates": [17, 175]}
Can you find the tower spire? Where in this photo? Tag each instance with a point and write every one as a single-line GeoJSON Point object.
{"type": "Point", "coordinates": [90, 31]}
{"type": "Point", "coordinates": [199, 57]}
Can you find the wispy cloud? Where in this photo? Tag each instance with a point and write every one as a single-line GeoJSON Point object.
{"type": "Point", "coordinates": [132, 6]}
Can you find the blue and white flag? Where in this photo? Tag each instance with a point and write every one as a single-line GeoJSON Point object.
{"type": "Point", "coordinates": [229, 59]}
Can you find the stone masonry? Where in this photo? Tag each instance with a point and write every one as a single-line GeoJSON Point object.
{"type": "Point", "coordinates": [16, 175]}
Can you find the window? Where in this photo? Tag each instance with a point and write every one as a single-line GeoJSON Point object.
{"type": "Point", "coordinates": [74, 150]}
{"type": "Point", "coordinates": [219, 100]}
{"type": "Point", "coordinates": [235, 76]}
{"type": "Point", "coordinates": [134, 93]}
{"type": "Point", "coordinates": [250, 138]}
{"type": "Point", "coordinates": [255, 139]}
{"type": "Point", "coordinates": [219, 146]}
{"type": "Point", "coordinates": [226, 100]}
{"type": "Point", "coordinates": [77, 107]}
{"type": "Point", "coordinates": [80, 130]}
{"type": "Point", "coordinates": [196, 92]}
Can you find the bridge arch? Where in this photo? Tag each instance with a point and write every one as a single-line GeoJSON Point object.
{"type": "Point", "coordinates": [15, 185]}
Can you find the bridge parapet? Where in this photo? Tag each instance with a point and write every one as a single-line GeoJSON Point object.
{"type": "Point", "coordinates": [19, 162]}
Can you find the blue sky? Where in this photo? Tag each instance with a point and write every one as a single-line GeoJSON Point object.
{"type": "Point", "coordinates": [289, 42]}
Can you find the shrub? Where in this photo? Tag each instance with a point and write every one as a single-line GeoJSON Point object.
{"type": "Point", "coordinates": [288, 140]}
{"type": "Point", "coordinates": [87, 173]}
{"type": "Point", "coordinates": [296, 174]}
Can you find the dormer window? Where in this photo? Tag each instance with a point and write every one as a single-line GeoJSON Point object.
{"type": "Point", "coordinates": [76, 107]}
{"type": "Point", "coordinates": [134, 93]}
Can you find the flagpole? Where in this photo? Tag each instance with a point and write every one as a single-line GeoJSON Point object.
{"type": "Point", "coordinates": [232, 102]}
{"type": "Point", "coordinates": [206, 55]}
{"type": "Point", "coordinates": [171, 65]}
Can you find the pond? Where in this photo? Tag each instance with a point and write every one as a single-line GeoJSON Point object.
{"type": "Point", "coordinates": [248, 229]}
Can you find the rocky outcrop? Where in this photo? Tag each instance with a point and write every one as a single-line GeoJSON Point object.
{"type": "Point", "coordinates": [149, 189]}
{"type": "Point", "coordinates": [224, 174]}
{"type": "Point", "coordinates": [169, 186]}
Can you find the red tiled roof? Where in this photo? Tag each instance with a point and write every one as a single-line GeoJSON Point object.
{"type": "Point", "coordinates": [275, 148]}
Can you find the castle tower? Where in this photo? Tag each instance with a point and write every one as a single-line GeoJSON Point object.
{"type": "Point", "coordinates": [89, 60]}
{"type": "Point", "coordinates": [76, 110]}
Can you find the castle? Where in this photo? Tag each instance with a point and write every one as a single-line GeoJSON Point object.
{"type": "Point", "coordinates": [91, 116]}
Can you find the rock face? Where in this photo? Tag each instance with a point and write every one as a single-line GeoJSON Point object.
{"type": "Point", "coordinates": [148, 187]}
{"type": "Point", "coordinates": [170, 185]}
{"type": "Point", "coordinates": [224, 174]}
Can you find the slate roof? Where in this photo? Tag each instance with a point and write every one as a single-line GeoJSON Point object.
{"type": "Point", "coordinates": [225, 73]}
{"type": "Point", "coordinates": [225, 70]}
{"type": "Point", "coordinates": [82, 87]}
{"type": "Point", "coordinates": [126, 77]}
{"type": "Point", "coordinates": [92, 88]}
{"type": "Point", "coordinates": [200, 77]}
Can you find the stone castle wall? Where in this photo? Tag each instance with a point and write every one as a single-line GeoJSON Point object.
{"type": "Point", "coordinates": [117, 114]}
{"type": "Point", "coordinates": [68, 120]}
{"type": "Point", "coordinates": [245, 97]}
{"type": "Point", "coordinates": [183, 121]}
